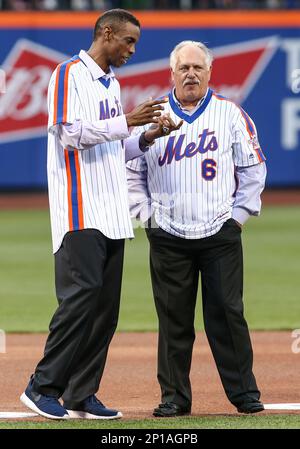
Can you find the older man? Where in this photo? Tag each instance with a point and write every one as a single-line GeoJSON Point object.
{"type": "Point", "coordinates": [201, 183]}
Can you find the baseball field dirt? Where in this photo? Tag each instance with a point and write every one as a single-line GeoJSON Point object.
{"type": "Point", "coordinates": [129, 381]}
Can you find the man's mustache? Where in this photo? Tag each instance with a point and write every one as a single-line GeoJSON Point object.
{"type": "Point", "coordinates": [191, 82]}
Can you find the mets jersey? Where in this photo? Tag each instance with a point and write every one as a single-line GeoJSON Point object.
{"type": "Point", "coordinates": [87, 188]}
{"type": "Point", "coordinates": [190, 174]}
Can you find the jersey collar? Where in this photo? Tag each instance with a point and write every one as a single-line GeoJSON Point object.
{"type": "Point", "coordinates": [96, 71]}
{"type": "Point", "coordinates": [187, 117]}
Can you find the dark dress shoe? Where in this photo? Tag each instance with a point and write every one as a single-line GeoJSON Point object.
{"type": "Point", "coordinates": [169, 409]}
{"type": "Point", "coordinates": [250, 407]}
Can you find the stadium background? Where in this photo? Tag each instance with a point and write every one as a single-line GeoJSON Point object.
{"type": "Point", "coordinates": [257, 63]}
{"type": "Point", "coordinates": [257, 60]}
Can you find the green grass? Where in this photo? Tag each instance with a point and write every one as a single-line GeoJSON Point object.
{"type": "Point", "coordinates": [212, 422]}
{"type": "Point", "coordinates": [272, 274]}
{"type": "Point", "coordinates": [272, 269]}
{"type": "Point", "coordinates": [26, 271]}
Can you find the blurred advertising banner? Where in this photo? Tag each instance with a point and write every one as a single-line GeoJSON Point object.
{"type": "Point", "coordinates": [257, 64]}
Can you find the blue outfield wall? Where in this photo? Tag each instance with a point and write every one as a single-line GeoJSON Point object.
{"type": "Point", "coordinates": [257, 67]}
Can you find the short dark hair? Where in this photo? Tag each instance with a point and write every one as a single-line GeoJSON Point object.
{"type": "Point", "coordinates": [114, 17]}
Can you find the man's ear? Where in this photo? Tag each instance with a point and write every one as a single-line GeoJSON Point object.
{"type": "Point", "coordinates": [210, 69]}
{"type": "Point", "coordinates": [172, 75]}
{"type": "Point", "coordinates": [107, 33]}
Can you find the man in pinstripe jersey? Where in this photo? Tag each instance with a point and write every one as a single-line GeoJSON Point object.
{"type": "Point", "coordinates": [88, 144]}
{"type": "Point", "coordinates": [200, 184]}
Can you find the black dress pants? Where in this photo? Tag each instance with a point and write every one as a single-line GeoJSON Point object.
{"type": "Point", "coordinates": [88, 275]}
{"type": "Point", "coordinates": [175, 264]}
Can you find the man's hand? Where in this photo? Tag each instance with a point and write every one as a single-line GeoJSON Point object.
{"type": "Point", "coordinates": [164, 126]}
{"type": "Point", "coordinates": [239, 224]}
{"type": "Point", "coordinates": [147, 112]}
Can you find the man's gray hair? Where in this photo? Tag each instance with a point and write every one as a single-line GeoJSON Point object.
{"type": "Point", "coordinates": [203, 47]}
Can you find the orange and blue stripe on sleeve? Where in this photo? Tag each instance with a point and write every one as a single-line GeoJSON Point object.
{"type": "Point", "coordinates": [260, 155]}
{"type": "Point", "coordinates": [61, 90]}
{"type": "Point", "coordinates": [251, 131]}
{"type": "Point", "coordinates": [75, 208]}
{"type": "Point", "coordinates": [249, 124]}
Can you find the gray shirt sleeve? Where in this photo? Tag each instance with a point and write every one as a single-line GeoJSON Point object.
{"type": "Point", "coordinates": [139, 196]}
{"type": "Point", "coordinates": [251, 182]}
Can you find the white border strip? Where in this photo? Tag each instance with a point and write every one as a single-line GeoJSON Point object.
{"type": "Point", "coordinates": [292, 406]}
{"type": "Point", "coordinates": [9, 415]}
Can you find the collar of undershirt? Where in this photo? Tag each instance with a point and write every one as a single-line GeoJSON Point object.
{"type": "Point", "coordinates": [180, 111]}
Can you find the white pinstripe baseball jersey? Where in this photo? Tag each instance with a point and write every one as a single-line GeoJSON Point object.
{"type": "Point", "coordinates": [191, 172]}
{"type": "Point", "coordinates": [87, 189]}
